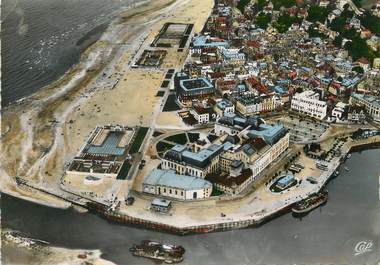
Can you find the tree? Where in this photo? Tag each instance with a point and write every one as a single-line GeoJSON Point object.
{"type": "Point", "coordinates": [261, 4]}
{"type": "Point", "coordinates": [317, 13]}
{"type": "Point", "coordinates": [262, 20]}
{"type": "Point", "coordinates": [338, 41]}
{"type": "Point", "coordinates": [358, 69]}
{"type": "Point", "coordinates": [371, 22]}
{"type": "Point", "coordinates": [337, 24]}
{"type": "Point", "coordinates": [284, 21]}
{"type": "Point", "coordinates": [357, 3]}
{"type": "Point", "coordinates": [241, 5]}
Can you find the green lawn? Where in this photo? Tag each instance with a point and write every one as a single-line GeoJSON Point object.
{"type": "Point", "coordinates": [178, 138]}
{"type": "Point", "coordinates": [123, 173]}
{"type": "Point", "coordinates": [138, 140]}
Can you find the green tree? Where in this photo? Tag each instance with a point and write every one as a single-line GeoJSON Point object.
{"type": "Point", "coordinates": [262, 20]}
{"type": "Point", "coordinates": [317, 13]}
{"type": "Point", "coordinates": [284, 21]}
{"type": "Point", "coordinates": [261, 4]}
{"type": "Point", "coordinates": [242, 4]}
{"type": "Point", "coordinates": [358, 69]}
{"type": "Point", "coordinates": [338, 41]}
{"type": "Point", "coordinates": [357, 3]}
{"type": "Point", "coordinates": [337, 24]}
{"type": "Point", "coordinates": [371, 22]}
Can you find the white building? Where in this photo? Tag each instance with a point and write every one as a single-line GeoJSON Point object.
{"type": "Point", "coordinates": [308, 103]}
{"type": "Point", "coordinates": [339, 110]}
{"type": "Point", "coordinates": [200, 115]}
{"type": "Point", "coordinates": [371, 104]}
{"type": "Point", "coordinates": [168, 183]}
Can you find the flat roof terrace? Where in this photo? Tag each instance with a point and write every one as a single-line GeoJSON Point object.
{"type": "Point", "coordinates": [173, 34]}
{"type": "Point", "coordinates": [110, 145]}
{"type": "Point", "coordinates": [196, 83]}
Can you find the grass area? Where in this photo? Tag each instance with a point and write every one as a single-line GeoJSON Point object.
{"type": "Point", "coordinates": [216, 192]}
{"type": "Point", "coordinates": [123, 173]}
{"type": "Point", "coordinates": [165, 83]}
{"type": "Point", "coordinates": [160, 94]}
{"type": "Point", "coordinates": [193, 137]}
{"type": "Point", "coordinates": [170, 104]}
{"type": "Point", "coordinates": [178, 138]}
{"type": "Point", "coordinates": [138, 140]}
{"type": "Point", "coordinates": [162, 147]}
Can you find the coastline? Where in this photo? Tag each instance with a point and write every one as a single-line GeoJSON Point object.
{"type": "Point", "coordinates": [23, 250]}
{"type": "Point", "coordinates": [38, 133]}
{"type": "Point", "coordinates": [66, 102]}
{"type": "Point", "coordinates": [84, 44]}
{"type": "Point", "coordinates": [233, 223]}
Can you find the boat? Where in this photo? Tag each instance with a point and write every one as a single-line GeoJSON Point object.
{"type": "Point", "coordinates": [310, 203]}
{"type": "Point", "coordinates": [348, 156]}
{"type": "Point", "coordinates": [346, 168]}
{"type": "Point", "coordinates": [158, 251]}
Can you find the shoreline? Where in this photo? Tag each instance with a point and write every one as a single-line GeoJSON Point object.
{"type": "Point", "coordinates": [21, 249]}
{"type": "Point", "coordinates": [38, 128]}
{"type": "Point", "coordinates": [216, 226]}
{"type": "Point", "coordinates": [53, 142]}
{"type": "Point", "coordinates": [233, 224]}
{"type": "Point", "coordinates": [84, 45]}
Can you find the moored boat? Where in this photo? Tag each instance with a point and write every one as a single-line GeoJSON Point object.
{"type": "Point", "coordinates": [310, 203]}
{"type": "Point", "coordinates": [158, 251]}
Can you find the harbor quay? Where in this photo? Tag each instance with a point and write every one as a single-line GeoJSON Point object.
{"type": "Point", "coordinates": [250, 211]}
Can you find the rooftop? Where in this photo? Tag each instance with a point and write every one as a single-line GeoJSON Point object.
{"type": "Point", "coordinates": [196, 83]}
{"type": "Point", "coordinates": [269, 132]}
{"type": "Point", "coordinates": [169, 178]}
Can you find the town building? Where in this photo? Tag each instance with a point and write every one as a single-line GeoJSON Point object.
{"type": "Point", "coordinates": [160, 205]}
{"type": "Point", "coordinates": [285, 182]}
{"type": "Point", "coordinates": [308, 103]}
{"type": "Point", "coordinates": [194, 88]}
{"type": "Point", "coordinates": [371, 104]}
{"type": "Point", "coordinates": [203, 42]}
{"type": "Point", "coordinates": [186, 162]}
{"type": "Point", "coordinates": [223, 107]}
{"type": "Point", "coordinates": [169, 184]}
{"type": "Point", "coordinates": [201, 115]}
{"type": "Point", "coordinates": [339, 111]}
{"type": "Point", "coordinates": [253, 104]}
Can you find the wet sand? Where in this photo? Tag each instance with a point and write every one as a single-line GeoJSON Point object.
{"type": "Point", "coordinates": [42, 133]}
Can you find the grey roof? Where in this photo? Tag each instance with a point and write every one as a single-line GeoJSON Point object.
{"type": "Point", "coordinates": [169, 178]}
{"type": "Point", "coordinates": [161, 202]}
{"type": "Point", "coordinates": [200, 159]}
{"type": "Point", "coordinates": [248, 150]}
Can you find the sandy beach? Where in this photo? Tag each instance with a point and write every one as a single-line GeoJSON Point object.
{"type": "Point", "coordinates": [20, 250]}
{"type": "Point", "coordinates": [42, 133]}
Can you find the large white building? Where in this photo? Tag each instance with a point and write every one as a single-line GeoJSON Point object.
{"type": "Point", "coordinates": [371, 104]}
{"type": "Point", "coordinates": [168, 183]}
{"type": "Point", "coordinates": [308, 103]}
